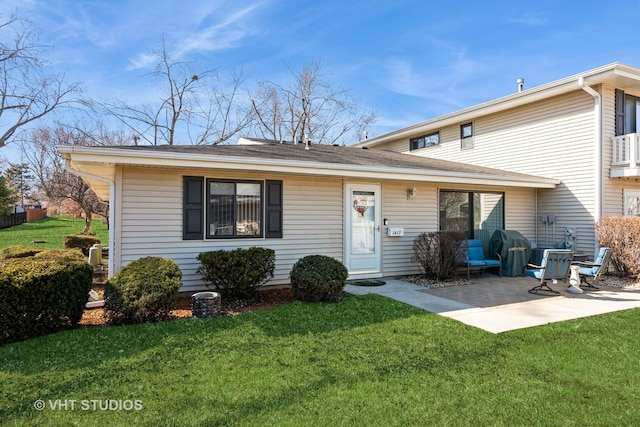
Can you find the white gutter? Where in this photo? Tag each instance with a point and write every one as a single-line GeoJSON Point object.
{"type": "Point", "coordinates": [112, 208]}
{"type": "Point", "coordinates": [599, 140]}
{"type": "Point", "coordinates": [567, 84]}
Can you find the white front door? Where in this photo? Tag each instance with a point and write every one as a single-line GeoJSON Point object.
{"type": "Point", "coordinates": [362, 230]}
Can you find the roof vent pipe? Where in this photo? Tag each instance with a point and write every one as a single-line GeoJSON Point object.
{"type": "Point", "coordinates": [520, 82]}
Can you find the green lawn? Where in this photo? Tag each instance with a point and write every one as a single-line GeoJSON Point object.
{"type": "Point", "coordinates": [52, 230]}
{"type": "Point", "coordinates": [366, 361]}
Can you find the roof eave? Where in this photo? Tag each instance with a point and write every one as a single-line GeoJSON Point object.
{"type": "Point", "coordinates": [103, 161]}
{"type": "Point", "coordinates": [559, 87]}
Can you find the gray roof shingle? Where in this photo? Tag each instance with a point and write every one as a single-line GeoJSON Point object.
{"type": "Point", "coordinates": [322, 153]}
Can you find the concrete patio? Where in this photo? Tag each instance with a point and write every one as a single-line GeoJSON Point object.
{"type": "Point", "coordinates": [499, 304]}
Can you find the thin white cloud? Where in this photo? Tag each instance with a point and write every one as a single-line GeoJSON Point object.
{"type": "Point", "coordinates": [7, 7]}
{"type": "Point", "coordinates": [528, 19]}
{"type": "Point", "coordinates": [218, 36]}
{"type": "Point", "coordinates": [439, 83]}
{"type": "Point", "coordinates": [144, 60]}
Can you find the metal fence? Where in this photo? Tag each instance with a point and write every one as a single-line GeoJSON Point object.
{"type": "Point", "coordinates": [7, 221]}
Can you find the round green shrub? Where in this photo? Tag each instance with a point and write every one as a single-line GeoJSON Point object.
{"type": "Point", "coordinates": [318, 278]}
{"type": "Point", "coordinates": [39, 296]}
{"type": "Point", "coordinates": [237, 273]}
{"type": "Point", "coordinates": [142, 291]}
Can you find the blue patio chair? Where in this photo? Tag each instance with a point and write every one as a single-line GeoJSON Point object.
{"type": "Point", "coordinates": [594, 269]}
{"type": "Point", "coordinates": [474, 257]}
{"type": "Point", "coordinates": [555, 265]}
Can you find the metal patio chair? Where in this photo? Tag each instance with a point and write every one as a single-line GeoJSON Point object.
{"type": "Point", "coordinates": [594, 269]}
{"type": "Point", "coordinates": [475, 259]}
{"type": "Point", "coordinates": [555, 265]}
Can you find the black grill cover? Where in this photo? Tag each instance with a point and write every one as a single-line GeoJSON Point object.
{"type": "Point", "coordinates": [514, 249]}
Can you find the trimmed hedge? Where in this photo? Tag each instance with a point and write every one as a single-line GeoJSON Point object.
{"type": "Point", "coordinates": [239, 272]}
{"type": "Point", "coordinates": [20, 251]}
{"type": "Point", "coordinates": [41, 295]}
{"type": "Point", "coordinates": [621, 235]}
{"type": "Point", "coordinates": [81, 241]}
{"type": "Point", "coordinates": [143, 291]}
{"type": "Point", "coordinates": [318, 278]}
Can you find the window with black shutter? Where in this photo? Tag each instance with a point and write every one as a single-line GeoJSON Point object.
{"type": "Point", "coordinates": [193, 216]}
{"type": "Point", "coordinates": [273, 209]}
{"type": "Point", "coordinates": [619, 112]}
{"type": "Point", "coordinates": [627, 113]}
{"type": "Point", "coordinates": [223, 209]}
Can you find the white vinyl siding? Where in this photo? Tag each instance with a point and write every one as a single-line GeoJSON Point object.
{"type": "Point", "coordinates": [151, 224]}
{"type": "Point", "coordinates": [420, 215]}
{"type": "Point", "coordinates": [416, 216]}
{"type": "Point", "coordinates": [613, 189]}
{"type": "Point", "coordinates": [554, 138]}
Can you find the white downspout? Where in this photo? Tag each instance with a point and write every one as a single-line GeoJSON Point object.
{"type": "Point", "coordinates": [599, 141]}
{"type": "Point", "coordinates": [112, 209]}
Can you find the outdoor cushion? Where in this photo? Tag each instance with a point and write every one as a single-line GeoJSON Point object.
{"type": "Point", "coordinates": [588, 271]}
{"type": "Point", "coordinates": [594, 269]}
{"type": "Point", "coordinates": [591, 270]}
{"type": "Point", "coordinates": [476, 253]}
{"type": "Point", "coordinates": [555, 265]}
{"type": "Point", "coordinates": [484, 262]}
{"type": "Point", "coordinates": [537, 274]}
{"type": "Point", "coordinates": [475, 256]}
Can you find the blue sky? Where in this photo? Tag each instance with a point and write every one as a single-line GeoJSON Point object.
{"type": "Point", "coordinates": [410, 60]}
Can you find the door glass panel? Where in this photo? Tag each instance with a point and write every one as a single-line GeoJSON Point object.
{"type": "Point", "coordinates": [363, 222]}
{"type": "Point", "coordinates": [454, 212]}
{"type": "Point", "coordinates": [485, 216]}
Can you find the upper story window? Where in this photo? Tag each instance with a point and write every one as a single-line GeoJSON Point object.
{"type": "Point", "coordinates": [424, 141]}
{"type": "Point", "coordinates": [466, 135]}
{"type": "Point", "coordinates": [627, 113]}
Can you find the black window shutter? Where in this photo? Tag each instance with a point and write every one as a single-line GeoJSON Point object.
{"type": "Point", "coordinates": [619, 112]}
{"type": "Point", "coordinates": [193, 216]}
{"type": "Point", "coordinates": [273, 209]}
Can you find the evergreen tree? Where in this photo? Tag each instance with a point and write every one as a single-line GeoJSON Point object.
{"type": "Point", "coordinates": [7, 197]}
{"type": "Point", "coordinates": [20, 179]}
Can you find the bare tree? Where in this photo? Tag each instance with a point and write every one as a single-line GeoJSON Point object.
{"type": "Point", "coordinates": [309, 108]}
{"type": "Point", "coordinates": [194, 107]}
{"type": "Point", "coordinates": [27, 93]}
{"type": "Point", "coordinates": [48, 166]}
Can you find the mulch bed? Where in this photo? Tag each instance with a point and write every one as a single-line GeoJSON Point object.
{"type": "Point", "coordinates": [182, 308]}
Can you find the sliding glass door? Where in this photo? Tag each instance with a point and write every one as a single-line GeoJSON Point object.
{"type": "Point", "coordinates": [476, 214]}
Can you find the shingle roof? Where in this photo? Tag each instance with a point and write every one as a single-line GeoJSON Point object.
{"type": "Point", "coordinates": [321, 153]}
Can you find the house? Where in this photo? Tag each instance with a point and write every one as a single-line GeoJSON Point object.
{"type": "Point", "coordinates": [583, 131]}
{"type": "Point", "coordinates": [363, 207]}
{"type": "Point", "coordinates": [547, 162]}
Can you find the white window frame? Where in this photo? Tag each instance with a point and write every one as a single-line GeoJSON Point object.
{"type": "Point", "coordinates": [423, 141]}
{"type": "Point", "coordinates": [466, 142]}
{"type": "Point", "coordinates": [631, 202]}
